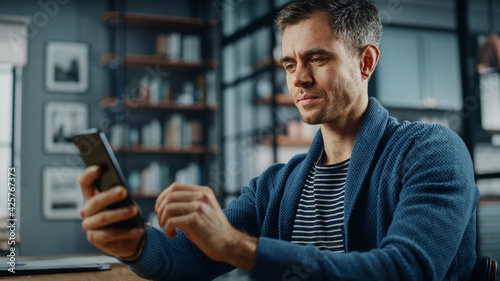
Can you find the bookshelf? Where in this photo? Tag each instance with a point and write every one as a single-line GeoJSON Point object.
{"type": "Point", "coordinates": [112, 102]}
{"type": "Point", "coordinates": [141, 60]}
{"type": "Point", "coordinates": [261, 124]}
{"type": "Point", "coordinates": [160, 149]}
{"type": "Point", "coordinates": [163, 100]}
{"type": "Point", "coordinates": [157, 21]}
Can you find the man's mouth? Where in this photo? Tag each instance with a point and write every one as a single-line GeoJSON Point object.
{"type": "Point", "coordinates": [306, 99]}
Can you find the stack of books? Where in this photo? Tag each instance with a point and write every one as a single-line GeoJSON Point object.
{"type": "Point", "coordinates": [174, 132]}
{"type": "Point", "coordinates": [154, 178]}
{"type": "Point", "coordinates": [179, 47]}
{"type": "Point", "coordinates": [158, 90]}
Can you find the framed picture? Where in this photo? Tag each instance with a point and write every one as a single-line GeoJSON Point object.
{"type": "Point", "coordinates": [62, 119]}
{"type": "Point", "coordinates": [66, 66]}
{"type": "Point", "coordinates": [62, 197]}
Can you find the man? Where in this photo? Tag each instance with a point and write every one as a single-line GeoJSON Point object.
{"type": "Point", "coordinates": [373, 199]}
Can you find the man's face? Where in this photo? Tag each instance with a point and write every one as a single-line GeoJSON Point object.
{"type": "Point", "coordinates": [323, 77]}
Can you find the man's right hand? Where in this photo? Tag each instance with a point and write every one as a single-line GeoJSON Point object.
{"type": "Point", "coordinates": [97, 219]}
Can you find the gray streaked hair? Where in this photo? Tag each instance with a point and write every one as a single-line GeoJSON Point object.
{"type": "Point", "coordinates": [355, 22]}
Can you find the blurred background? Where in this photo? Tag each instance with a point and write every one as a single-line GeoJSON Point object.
{"type": "Point", "coordinates": [192, 91]}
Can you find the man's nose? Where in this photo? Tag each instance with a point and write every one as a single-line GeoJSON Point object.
{"type": "Point", "coordinates": [302, 76]}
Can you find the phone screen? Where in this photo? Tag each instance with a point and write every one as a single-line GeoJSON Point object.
{"type": "Point", "coordinates": [95, 150]}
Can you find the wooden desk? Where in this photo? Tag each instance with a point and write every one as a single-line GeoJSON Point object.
{"type": "Point", "coordinates": [118, 272]}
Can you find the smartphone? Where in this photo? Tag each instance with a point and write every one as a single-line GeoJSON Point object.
{"type": "Point", "coordinates": [95, 150]}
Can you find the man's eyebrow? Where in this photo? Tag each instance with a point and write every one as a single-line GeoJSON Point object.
{"type": "Point", "coordinates": [318, 51]}
{"type": "Point", "coordinates": [308, 53]}
{"type": "Point", "coordinates": [285, 59]}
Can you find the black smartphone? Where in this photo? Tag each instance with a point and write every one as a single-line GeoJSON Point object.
{"type": "Point", "coordinates": [95, 150]}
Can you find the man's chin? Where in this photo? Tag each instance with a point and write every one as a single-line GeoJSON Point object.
{"type": "Point", "coordinates": [311, 120]}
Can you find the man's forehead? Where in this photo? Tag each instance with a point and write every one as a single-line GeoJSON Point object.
{"type": "Point", "coordinates": [317, 22]}
{"type": "Point", "coordinates": [300, 44]}
{"type": "Point", "coordinates": [312, 31]}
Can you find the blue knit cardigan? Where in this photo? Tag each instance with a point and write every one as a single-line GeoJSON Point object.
{"type": "Point", "coordinates": [410, 213]}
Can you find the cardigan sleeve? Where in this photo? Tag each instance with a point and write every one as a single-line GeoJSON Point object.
{"type": "Point", "coordinates": [174, 259]}
{"type": "Point", "coordinates": [435, 211]}
{"type": "Point", "coordinates": [179, 259]}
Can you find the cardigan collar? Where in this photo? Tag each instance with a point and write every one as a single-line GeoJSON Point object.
{"type": "Point", "coordinates": [363, 153]}
{"type": "Point", "coordinates": [369, 136]}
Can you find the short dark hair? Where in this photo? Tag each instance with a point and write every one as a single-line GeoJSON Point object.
{"type": "Point", "coordinates": [355, 22]}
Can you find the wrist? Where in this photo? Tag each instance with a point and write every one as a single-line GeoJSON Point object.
{"type": "Point", "coordinates": [137, 253]}
{"type": "Point", "coordinates": [242, 250]}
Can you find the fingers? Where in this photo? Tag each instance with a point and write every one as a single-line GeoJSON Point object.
{"type": "Point", "coordinates": [116, 242]}
{"type": "Point", "coordinates": [101, 237]}
{"type": "Point", "coordinates": [180, 202]}
{"type": "Point", "coordinates": [109, 217]}
{"type": "Point", "coordinates": [195, 211]}
{"type": "Point", "coordinates": [97, 221]}
{"type": "Point", "coordinates": [178, 192]}
{"type": "Point", "coordinates": [185, 222]}
{"type": "Point", "coordinates": [87, 179]}
{"type": "Point", "coordinates": [172, 197]}
{"type": "Point", "coordinates": [102, 200]}
{"type": "Point", "coordinates": [178, 209]}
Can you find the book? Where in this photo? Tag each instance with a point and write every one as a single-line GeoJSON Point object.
{"type": "Point", "coordinates": [155, 131]}
{"type": "Point", "coordinates": [174, 46]}
{"type": "Point", "coordinates": [155, 177]}
{"type": "Point", "coordinates": [191, 48]}
{"type": "Point", "coordinates": [196, 132]}
{"type": "Point", "coordinates": [154, 86]}
{"type": "Point", "coordinates": [189, 175]}
{"type": "Point", "coordinates": [161, 44]}
{"type": "Point", "coordinates": [173, 135]}
{"type": "Point", "coordinates": [133, 135]}
{"type": "Point", "coordinates": [211, 88]}
{"type": "Point", "coordinates": [186, 131]}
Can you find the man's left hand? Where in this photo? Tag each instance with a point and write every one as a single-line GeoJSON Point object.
{"type": "Point", "coordinates": [195, 210]}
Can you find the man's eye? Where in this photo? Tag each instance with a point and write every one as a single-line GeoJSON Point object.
{"type": "Point", "coordinates": [289, 67]}
{"type": "Point", "coordinates": [317, 60]}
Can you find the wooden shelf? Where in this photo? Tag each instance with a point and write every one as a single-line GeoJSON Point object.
{"type": "Point", "coordinates": [281, 99]}
{"type": "Point", "coordinates": [195, 149]}
{"type": "Point", "coordinates": [139, 60]}
{"type": "Point", "coordinates": [110, 102]}
{"type": "Point", "coordinates": [184, 24]}
{"type": "Point", "coordinates": [287, 141]}
{"type": "Point", "coordinates": [489, 199]}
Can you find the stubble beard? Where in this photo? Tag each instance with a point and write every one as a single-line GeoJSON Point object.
{"type": "Point", "coordinates": [314, 118]}
{"type": "Point", "coordinates": [329, 113]}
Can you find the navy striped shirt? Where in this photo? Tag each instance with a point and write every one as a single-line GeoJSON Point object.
{"type": "Point", "coordinates": [320, 215]}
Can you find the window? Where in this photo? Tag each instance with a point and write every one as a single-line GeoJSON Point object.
{"type": "Point", "coordinates": [6, 121]}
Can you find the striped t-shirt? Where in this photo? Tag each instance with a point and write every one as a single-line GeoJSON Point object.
{"type": "Point", "coordinates": [320, 214]}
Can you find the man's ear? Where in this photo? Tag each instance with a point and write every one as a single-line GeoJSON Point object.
{"type": "Point", "coordinates": [369, 56]}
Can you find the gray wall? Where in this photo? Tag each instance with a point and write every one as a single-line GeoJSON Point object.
{"type": "Point", "coordinates": [76, 20]}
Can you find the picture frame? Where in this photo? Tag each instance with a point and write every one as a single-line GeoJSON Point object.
{"type": "Point", "coordinates": [62, 196]}
{"type": "Point", "coordinates": [61, 120]}
{"type": "Point", "coordinates": [66, 66]}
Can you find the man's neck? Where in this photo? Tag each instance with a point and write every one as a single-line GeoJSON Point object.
{"type": "Point", "coordinates": [339, 137]}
